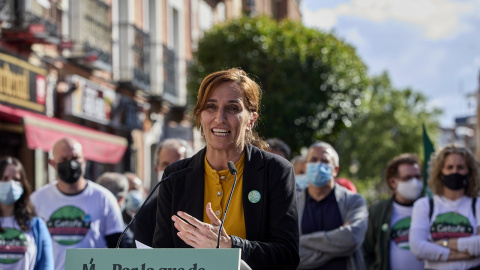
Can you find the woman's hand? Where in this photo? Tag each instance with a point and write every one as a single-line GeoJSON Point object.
{"type": "Point", "coordinates": [457, 256]}
{"type": "Point", "coordinates": [454, 254]}
{"type": "Point", "coordinates": [451, 243]}
{"type": "Point", "coordinates": [199, 234]}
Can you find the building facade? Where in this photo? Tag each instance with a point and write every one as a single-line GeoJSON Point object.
{"type": "Point", "coordinates": [109, 73]}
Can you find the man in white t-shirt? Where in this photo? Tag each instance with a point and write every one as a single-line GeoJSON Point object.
{"type": "Point", "coordinates": [79, 213]}
{"type": "Point", "coordinates": [386, 242]}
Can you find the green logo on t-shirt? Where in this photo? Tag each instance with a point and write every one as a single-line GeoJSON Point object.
{"type": "Point", "coordinates": [13, 245]}
{"type": "Point", "coordinates": [68, 225]}
{"type": "Point", "coordinates": [451, 225]}
{"type": "Point", "coordinates": [399, 232]}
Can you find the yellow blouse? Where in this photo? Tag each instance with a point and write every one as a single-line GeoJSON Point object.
{"type": "Point", "coordinates": [218, 185]}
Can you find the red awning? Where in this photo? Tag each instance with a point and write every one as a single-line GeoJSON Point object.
{"type": "Point", "coordinates": [42, 132]}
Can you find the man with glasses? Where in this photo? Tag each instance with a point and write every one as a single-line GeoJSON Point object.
{"type": "Point", "coordinates": [386, 242]}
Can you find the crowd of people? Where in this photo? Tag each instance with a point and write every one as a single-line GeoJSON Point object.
{"type": "Point", "coordinates": [283, 212]}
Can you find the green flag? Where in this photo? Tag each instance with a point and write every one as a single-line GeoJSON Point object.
{"type": "Point", "coordinates": [428, 150]}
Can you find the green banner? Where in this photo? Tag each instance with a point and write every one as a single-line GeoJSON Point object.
{"type": "Point", "coordinates": [153, 259]}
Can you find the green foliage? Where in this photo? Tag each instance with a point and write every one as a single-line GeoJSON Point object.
{"type": "Point", "coordinates": [390, 123]}
{"type": "Point", "coordinates": [312, 81]}
{"type": "Point", "coordinates": [316, 87]}
{"type": "Point", "coordinates": [372, 189]}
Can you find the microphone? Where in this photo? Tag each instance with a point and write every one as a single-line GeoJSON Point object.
{"type": "Point", "coordinates": [233, 170]}
{"type": "Point", "coordinates": [231, 167]}
{"type": "Point", "coordinates": [172, 176]}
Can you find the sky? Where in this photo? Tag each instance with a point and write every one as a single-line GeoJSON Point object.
{"type": "Point", "coordinates": [430, 46]}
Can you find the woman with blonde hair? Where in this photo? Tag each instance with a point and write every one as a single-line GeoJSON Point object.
{"type": "Point", "coordinates": [445, 229]}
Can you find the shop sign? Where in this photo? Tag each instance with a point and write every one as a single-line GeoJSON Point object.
{"type": "Point", "coordinates": [22, 84]}
{"type": "Point", "coordinates": [92, 101]}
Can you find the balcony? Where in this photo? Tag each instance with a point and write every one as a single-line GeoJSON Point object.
{"type": "Point", "coordinates": [213, 3]}
{"type": "Point", "coordinates": [134, 58]}
{"type": "Point", "coordinates": [90, 32]}
{"type": "Point", "coordinates": [27, 22]}
{"type": "Point", "coordinates": [4, 10]}
{"type": "Point", "coordinates": [141, 51]}
{"type": "Point", "coordinates": [170, 71]}
{"type": "Point", "coordinates": [97, 53]}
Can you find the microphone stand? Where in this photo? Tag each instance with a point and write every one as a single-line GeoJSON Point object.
{"type": "Point", "coordinates": [171, 176]}
{"type": "Point", "coordinates": [233, 171]}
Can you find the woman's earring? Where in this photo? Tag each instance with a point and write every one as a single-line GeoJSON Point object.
{"type": "Point", "coordinates": [201, 132]}
{"type": "Point", "coordinates": [249, 135]}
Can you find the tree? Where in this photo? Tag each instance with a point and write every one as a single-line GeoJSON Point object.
{"type": "Point", "coordinates": [312, 81]}
{"type": "Point", "coordinates": [389, 123]}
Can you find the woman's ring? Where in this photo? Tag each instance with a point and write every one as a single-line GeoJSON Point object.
{"type": "Point", "coordinates": [193, 231]}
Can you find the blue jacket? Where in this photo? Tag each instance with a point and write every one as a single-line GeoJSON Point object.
{"type": "Point", "coordinates": [43, 241]}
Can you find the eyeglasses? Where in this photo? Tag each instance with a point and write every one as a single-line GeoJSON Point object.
{"type": "Point", "coordinates": [408, 177]}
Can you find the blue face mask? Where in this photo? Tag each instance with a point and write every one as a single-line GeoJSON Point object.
{"type": "Point", "coordinates": [301, 180]}
{"type": "Point", "coordinates": [10, 192]}
{"type": "Point", "coordinates": [134, 200]}
{"type": "Point", "coordinates": [318, 174]}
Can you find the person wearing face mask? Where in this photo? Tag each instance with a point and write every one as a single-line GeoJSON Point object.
{"type": "Point", "coordinates": [134, 197]}
{"type": "Point", "coordinates": [386, 242]}
{"type": "Point", "coordinates": [445, 230]}
{"type": "Point", "coordinates": [167, 152]}
{"type": "Point", "coordinates": [24, 238]}
{"type": "Point", "coordinates": [79, 213]}
{"type": "Point", "coordinates": [332, 220]}
{"type": "Point", "coordinates": [301, 182]}
{"type": "Point", "coordinates": [118, 184]}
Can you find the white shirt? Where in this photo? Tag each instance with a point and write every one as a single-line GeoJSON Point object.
{"type": "Point", "coordinates": [77, 221]}
{"type": "Point", "coordinates": [449, 219]}
{"type": "Point", "coordinates": [17, 248]}
{"type": "Point", "coordinates": [400, 255]}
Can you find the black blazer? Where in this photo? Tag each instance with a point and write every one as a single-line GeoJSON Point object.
{"type": "Point", "coordinates": [144, 224]}
{"type": "Point", "coordinates": [271, 224]}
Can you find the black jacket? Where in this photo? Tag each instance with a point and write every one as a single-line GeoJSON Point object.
{"type": "Point", "coordinates": [144, 224]}
{"type": "Point", "coordinates": [376, 247]}
{"type": "Point", "coordinates": [271, 224]}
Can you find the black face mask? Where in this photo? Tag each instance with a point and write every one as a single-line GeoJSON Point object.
{"type": "Point", "coordinates": [69, 171]}
{"type": "Point", "coordinates": [455, 181]}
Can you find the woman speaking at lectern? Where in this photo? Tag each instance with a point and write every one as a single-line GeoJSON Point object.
{"type": "Point", "coordinates": [262, 216]}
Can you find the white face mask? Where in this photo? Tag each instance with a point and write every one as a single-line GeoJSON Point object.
{"type": "Point", "coordinates": [411, 189]}
{"type": "Point", "coordinates": [159, 176]}
{"type": "Point", "coordinates": [10, 192]}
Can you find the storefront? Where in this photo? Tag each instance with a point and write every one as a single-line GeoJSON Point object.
{"type": "Point", "coordinates": [27, 134]}
{"type": "Point", "coordinates": [97, 105]}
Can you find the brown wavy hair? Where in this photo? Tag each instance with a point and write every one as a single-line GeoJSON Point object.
{"type": "Point", "coordinates": [435, 180]}
{"type": "Point", "coordinates": [23, 208]}
{"type": "Point", "coordinates": [251, 96]}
